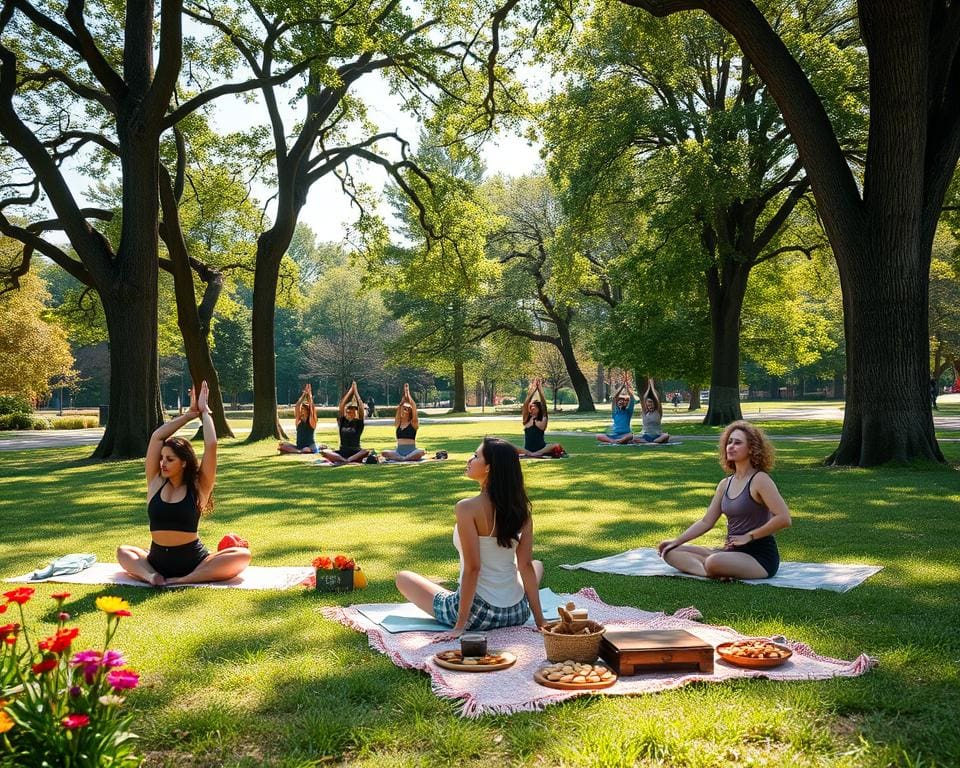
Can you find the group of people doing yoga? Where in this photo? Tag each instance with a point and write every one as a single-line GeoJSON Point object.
{"type": "Point", "coordinates": [499, 580]}
{"type": "Point", "coordinates": [350, 416]}
{"type": "Point", "coordinates": [620, 431]}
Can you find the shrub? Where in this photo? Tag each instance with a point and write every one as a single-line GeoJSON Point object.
{"type": "Point", "coordinates": [14, 404]}
{"type": "Point", "coordinates": [16, 421]}
{"type": "Point", "coordinates": [58, 709]}
{"type": "Point", "coordinates": [74, 422]}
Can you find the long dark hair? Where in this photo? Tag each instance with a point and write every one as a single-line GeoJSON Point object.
{"type": "Point", "coordinates": [184, 451]}
{"type": "Point", "coordinates": [511, 507]}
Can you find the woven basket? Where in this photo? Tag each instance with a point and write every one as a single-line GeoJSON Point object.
{"type": "Point", "coordinates": [583, 648]}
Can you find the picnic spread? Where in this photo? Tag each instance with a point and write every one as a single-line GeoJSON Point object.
{"type": "Point", "coordinates": [645, 652]}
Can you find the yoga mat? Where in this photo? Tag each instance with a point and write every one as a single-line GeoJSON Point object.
{"type": "Point", "coordinates": [639, 445]}
{"type": "Point", "coordinates": [837, 577]}
{"type": "Point", "coordinates": [254, 577]}
{"type": "Point", "coordinates": [406, 617]}
{"type": "Point", "coordinates": [514, 690]}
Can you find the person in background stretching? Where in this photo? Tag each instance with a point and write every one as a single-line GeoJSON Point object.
{"type": "Point", "coordinates": [306, 423]}
{"type": "Point", "coordinates": [350, 423]}
{"type": "Point", "coordinates": [179, 492]}
{"type": "Point", "coordinates": [499, 579]}
{"type": "Point", "coordinates": [407, 423]}
{"type": "Point", "coordinates": [652, 417]}
{"type": "Point", "coordinates": [534, 416]}
{"type": "Point", "coordinates": [754, 508]}
{"type": "Point", "coordinates": [622, 412]}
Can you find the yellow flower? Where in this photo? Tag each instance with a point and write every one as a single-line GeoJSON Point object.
{"type": "Point", "coordinates": [111, 604]}
{"type": "Point", "coordinates": [6, 722]}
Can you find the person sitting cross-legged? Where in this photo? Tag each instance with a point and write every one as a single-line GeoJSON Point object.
{"type": "Point", "coordinates": [622, 414]}
{"type": "Point", "coordinates": [179, 492]}
{"type": "Point", "coordinates": [350, 424]}
{"type": "Point", "coordinates": [754, 508]}
{"type": "Point", "coordinates": [407, 424]}
{"type": "Point", "coordinates": [499, 579]}
{"type": "Point", "coordinates": [652, 417]}
{"type": "Point", "coordinates": [306, 423]}
{"type": "Point", "coordinates": [534, 417]}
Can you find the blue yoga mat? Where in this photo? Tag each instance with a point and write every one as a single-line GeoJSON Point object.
{"type": "Point", "coordinates": [406, 617]}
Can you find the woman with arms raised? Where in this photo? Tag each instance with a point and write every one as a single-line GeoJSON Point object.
{"type": "Point", "coordinates": [754, 508]}
{"type": "Point", "coordinates": [179, 492]}
{"type": "Point", "coordinates": [306, 423]}
{"type": "Point", "coordinates": [350, 424]}
{"type": "Point", "coordinates": [499, 580]}
{"type": "Point", "coordinates": [407, 423]}
{"type": "Point", "coordinates": [534, 416]}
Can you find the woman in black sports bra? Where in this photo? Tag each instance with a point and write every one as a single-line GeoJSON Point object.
{"type": "Point", "coordinates": [407, 424]}
{"type": "Point", "coordinates": [179, 491]}
{"type": "Point", "coordinates": [534, 416]}
{"type": "Point", "coordinates": [754, 508]}
{"type": "Point", "coordinates": [350, 425]}
{"type": "Point", "coordinates": [306, 424]}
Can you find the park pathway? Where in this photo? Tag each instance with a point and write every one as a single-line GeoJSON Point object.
{"type": "Point", "coordinates": [28, 439]}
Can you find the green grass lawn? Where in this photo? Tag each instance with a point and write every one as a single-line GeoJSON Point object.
{"type": "Point", "coordinates": [238, 678]}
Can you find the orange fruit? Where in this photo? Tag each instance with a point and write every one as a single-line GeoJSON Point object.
{"type": "Point", "coordinates": [359, 578]}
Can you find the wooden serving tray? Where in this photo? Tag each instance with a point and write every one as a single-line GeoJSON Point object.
{"type": "Point", "coordinates": [508, 661]}
{"type": "Point", "coordinates": [542, 680]}
{"type": "Point", "coordinates": [635, 652]}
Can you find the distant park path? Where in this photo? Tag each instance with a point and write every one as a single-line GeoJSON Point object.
{"type": "Point", "coordinates": [27, 439]}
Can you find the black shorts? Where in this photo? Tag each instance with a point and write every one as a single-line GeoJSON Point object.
{"type": "Point", "coordinates": [172, 562]}
{"type": "Point", "coordinates": [348, 450]}
{"type": "Point", "coordinates": [764, 551]}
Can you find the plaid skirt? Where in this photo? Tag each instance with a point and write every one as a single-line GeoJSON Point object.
{"type": "Point", "coordinates": [483, 616]}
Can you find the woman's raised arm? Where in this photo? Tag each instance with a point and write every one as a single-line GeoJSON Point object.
{"type": "Point", "coordinates": [168, 429]}
{"type": "Point", "coordinates": [207, 474]}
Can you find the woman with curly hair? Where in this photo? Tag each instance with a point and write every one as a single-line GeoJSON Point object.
{"type": "Point", "coordinates": [499, 579]}
{"type": "Point", "coordinates": [754, 508]}
{"type": "Point", "coordinates": [179, 492]}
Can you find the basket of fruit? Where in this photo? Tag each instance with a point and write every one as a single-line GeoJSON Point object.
{"type": "Point", "coordinates": [574, 637]}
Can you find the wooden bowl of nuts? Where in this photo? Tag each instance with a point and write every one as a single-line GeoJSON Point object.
{"type": "Point", "coordinates": [754, 653]}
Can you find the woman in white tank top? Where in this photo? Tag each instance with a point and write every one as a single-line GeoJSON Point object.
{"type": "Point", "coordinates": [499, 582]}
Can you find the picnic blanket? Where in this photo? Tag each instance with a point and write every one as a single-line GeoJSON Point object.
{"type": "Point", "coordinates": [837, 577]}
{"type": "Point", "coordinates": [406, 617]}
{"type": "Point", "coordinates": [253, 577]}
{"type": "Point", "coordinates": [514, 689]}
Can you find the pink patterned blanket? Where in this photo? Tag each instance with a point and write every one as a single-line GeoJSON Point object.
{"type": "Point", "coordinates": [514, 689]}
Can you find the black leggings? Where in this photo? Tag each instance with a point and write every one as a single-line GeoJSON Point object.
{"type": "Point", "coordinates": [172, 562]}
{"type": "Point", "coordinates": [764, 551]}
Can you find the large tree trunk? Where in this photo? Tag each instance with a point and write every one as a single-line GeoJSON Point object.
{"type": "Point", "coordinates": [265, 422]}
{"type": "Point", "coordinates": [193, 320]}
{"type": "Point", "coordinates": [130, 307]}
{"type": "Point", "coordinates": [888, 415]}
{"type": "Point", "coordinates": [881, 237]}
{"type": "Point", "coordinates": [577, 380]}
{"type": "Point", "coordinates": [884, 275]}
{"type": "Point", "coordinates": [459, 389]}
{"type": "Point", "coordinates": [134, 380]}
{"type": "Point", "coordinates": [726, 303]}
{"type": "Point", "coordinates": [694, 397]}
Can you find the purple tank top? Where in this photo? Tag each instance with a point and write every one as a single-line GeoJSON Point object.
{"type": "Point", "coordinates": [744, 514]}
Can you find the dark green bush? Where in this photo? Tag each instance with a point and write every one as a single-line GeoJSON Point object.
{"type": "Point", "coordinates": [14, 404]}
{"type": "Point", "coordinates": [16, 421]}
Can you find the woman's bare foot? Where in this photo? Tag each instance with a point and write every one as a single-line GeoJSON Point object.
{"type": "Point", "coordinates": [157, 580]}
